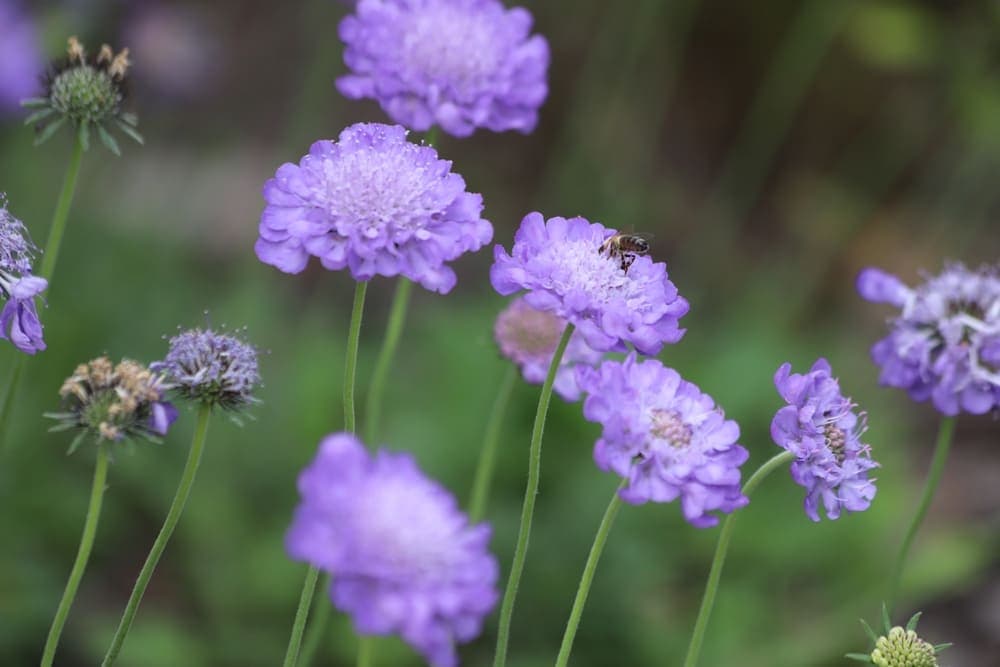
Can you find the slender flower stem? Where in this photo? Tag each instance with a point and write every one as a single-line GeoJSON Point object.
{"type": "Point", "coordinates": [350, 370]}
{"type": "Point", "coordinates": [488, 453]}
{"type": "Point", "coordinates": [316, 629]}
{"type": "Point", "coordinates": [941, 448]}
{"type": "Point", "coordinates": [366, 651]}
{"type": "Point", "coordinates": [397, 316]}
{"type": "Point", "coordinates": [534, 467]}
{"type": "Point", "coordinates": [431, 137]}
{"type": "Point", "coordinates": [82, 554]}
{"type": "Point", "coordinates": [588, 576]}
{"type": "Point", "coordinates": [56, 230]}
{"type": "Point", "coordinates": [712, 585]}
{"type": "Point", "coordinates": [160, 543]}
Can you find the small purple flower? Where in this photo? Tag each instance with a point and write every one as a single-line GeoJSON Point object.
{"type": "Point", "coordinates": [529, 338]}
{"type": "Point", "coordinates": [403, 557]}
{"type": "Point", "coordinates": [819, 426]}
{"type": "Point", "coordinates": [21, 64]}
{"type": "Point", "coordinates": [18, 320]}
{"type": "Point", "coordinates": [374, 203]}
{"type": "Point", "coordinates": [945, 342]}
{"type": "Point", "coordinates": [460, 64]}
{"type": "Point", "coordinates": [665, 436]}
{"type": "Point", "coordinates": [209, 367]}
{"type": "Point", "coordinates": [560, 265]}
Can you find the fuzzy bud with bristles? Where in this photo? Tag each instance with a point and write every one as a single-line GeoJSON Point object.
{"type": "Point", "coordinates": [898, 646]}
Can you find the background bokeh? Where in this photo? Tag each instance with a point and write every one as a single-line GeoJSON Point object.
{"type": "Point", "coordinates": [773, 149]}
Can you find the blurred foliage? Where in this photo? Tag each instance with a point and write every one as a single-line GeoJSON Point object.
{"type": "Point", "coordinates": [772, 148]}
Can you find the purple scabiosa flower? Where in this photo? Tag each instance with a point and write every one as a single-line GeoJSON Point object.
{"type": "Point", "coordinates": [529, 338]}
{"type": "Point", "coordinates": [820, 427]}
{"type": "Point", "coordinates": [665, 436]}
{"type": "Point", "coordinates": [115, 402]}
{"type": "Point", "coordinates": [18, 320]}
{"type": "Point", "coordinates": [209, 367]}
{"type": "Point", "coordinates": [460, 64]}
{"type": "Point", "coordinates": [560, 264]}
{"type": "Point", "coordinates": [374, 203]}
{"type": "Point", "coordinates": [403, 558]}
{"type": "Point", "coordinates": [21, 64]}
{"type": "Point", "coordinates": [945, 342]}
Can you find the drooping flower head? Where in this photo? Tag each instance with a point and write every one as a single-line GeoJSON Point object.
{"type": "Point", "coordinates": [374, 203]}
{"type": "Point", "coordinates": [820, 426]}
{"type": "Point", "coordinates": [459, 64]}
{"type": "Point", "coordinates": [945, 342]}
{"type": "Point", "coordinates": [666, 437]}
{"type": "Point", "coordinates": [560, 264]}
{"type": "Point", "coordinates": [899, 646]}
{"type": "Point", "coordinates": [209, 367]}
{"type": "Point", "coordinates": [529, 338]}
{"type": "Point", "coordinates": [115, 402]}
{"type": "Point", "coordinates": [403, 557]}
{"type": "Point", "coordinates": [18, 320]}
{"type": "Point", "coordinates": [21, 63]}
{"type": "Point", "coordinates": [89, 93]}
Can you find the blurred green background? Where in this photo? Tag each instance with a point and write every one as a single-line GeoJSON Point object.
{"type": "Point", "coordinates": [773, 149]}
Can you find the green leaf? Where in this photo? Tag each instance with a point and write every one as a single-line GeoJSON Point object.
{"type": "Point", "coordinates": [35, 102]}
{"type": "Point", "coordinates": [77, 441]}
{"type": "Point", "coordinates": [860, 657]}
{"type": "Point", "coordinates": [39, 115]}
{"type": "Point", "coordinates": [868, 631]}
{"type": "Point", "coordinates": [46, 133]}
{"type": "Point", "coordinates": [108, 140]}
{"type": "Point", "coordinates": [912, 623]}
{"type": "Point", "coordinates": [885, 618]}
{"type": "Point", "coordinates": [940, 647]}
{"type": "Point", "coordinates": [129, 118]}
{"type": "Point", "coordinates": [131, 131]}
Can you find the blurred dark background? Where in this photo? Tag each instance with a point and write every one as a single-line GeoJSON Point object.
{"type": "Point", "coordinates": [773, 149]}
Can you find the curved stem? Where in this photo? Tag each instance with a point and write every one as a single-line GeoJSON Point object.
{"type": "Point", "coordinates": [82, 555]}
{"type": "Point", "coordinates": [488, 454]}
{"type": "Point", "coordinates": [173, 516]}
{"type": "Point", "coordinates": [588, 576]}
{"type": "Point", "coordinates": [350, 370]}
{"type": "Point", "coordinates": [712, 585]}
{"type": "Point", "coordinates": [321, 619]}
{"type": "Point", "coordinates": [61, 215]}
{"type": "Point", "coordinates": [528, 508]}
{"type": "Point", "coordinates": [397, 316]}
{"type": "Point", "coordinates": [941, 448]}
{"type": "Point", "coordinates": [366, 651]}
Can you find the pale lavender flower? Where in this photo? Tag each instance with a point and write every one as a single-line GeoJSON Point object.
{"type": "Point", "coordinates": [529, 338]}
{"type": "Point", "coordinates": [945, 342]}
{"type": "Point", "coordinates": [821, 428]}
{"type": "Point", "coordinates": [18, 320]}
{"type": "Point", "coordinates": [21, 63]}
{"type": "Point", "coordinates": [560, 265]}
{"type": "Point", "coordinates": [403, 557]}
{"type": "Point", "coordinates": [374, 203]}
{"type": "Point", "coordinates": [210, 367]}
{"type": "Point", "coordinates": [666, 437]}
{"type": "Point", "coordinates": [459, 64]}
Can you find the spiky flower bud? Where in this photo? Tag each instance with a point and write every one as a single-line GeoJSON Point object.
{"type": "Point", "coordinates": [89, 93]}
{"type": "Point", "coordinates": [899, 646]}
{"type": "Point", "coordinates": [209, 367]}
{"type": "Point", "coordinates": [114, 402]}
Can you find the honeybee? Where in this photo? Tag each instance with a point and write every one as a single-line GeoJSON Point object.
{"type": "Point", "coordinates": [624, 246]}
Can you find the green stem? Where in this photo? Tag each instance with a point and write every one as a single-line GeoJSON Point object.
{"type": "Point", "coordinates": [941, 448]}
{"type": "Point", "coordinates": [82, 554]}
{"type": "Point", "coordinates": [61, 215]}
{"type": "Point", "coordinates": [588, 576]}
{"type": "Point", "coordinates": [316, 629]}
{"type": "Point", "coordinates": [8, 399]}
{"type": "Point", "coordinates": [488, 453]}
{"type": "Point", "coordinates": [169, 524]}
{"type": "Point", "coordinates": [366, 651]}
{"type": "Point", "coordinates": [350, 370]}
{"type": "Point", "coordinates": [397, 316]}
{"type": "Point", "coordinates": [528, 508]}
{"type": "Point", "coordinates": [431, 138]}
{"type": "Point", "coordinates": [712, 585]}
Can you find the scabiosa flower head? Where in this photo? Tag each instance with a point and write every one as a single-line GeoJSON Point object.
{"type": "Point", "coordinates": [820, 426]}
{"type": "Point", "coordinates": [945, 342]}
{"type": "Point", "coordinates": [460, 64]}
{"type": "Point", "coordinates": [87, 91]}
{"type": "Point", "coordinates": [20, 56]}
{"type": "Point", "coordinates": [374, 203]}
{"type": "Point", "coordinates": [18, 320]}
{"type": "Point", "coordinates": [115, 402]}
{"type": "Point", "coordinates": [666, 437]}
{"type": "Point", "coordinates": [560, 264]}
{"type": "Point", "coordinates": [209, 367]}
{"type": "Point", "coordinates": [529, 338]}
{"type": "Point", "coordinates": [403, 558]}
{"type": "Point", "coordinates": [899, 647]}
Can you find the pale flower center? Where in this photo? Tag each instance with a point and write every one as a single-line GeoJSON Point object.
{"type": "Point", "coordinates": [669, 428]}
{"type": "Point", "coordinates": [447, 44]}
